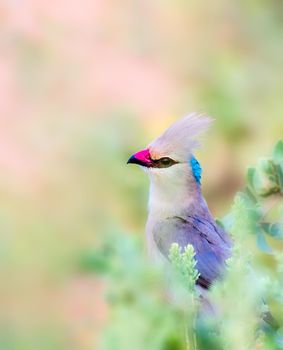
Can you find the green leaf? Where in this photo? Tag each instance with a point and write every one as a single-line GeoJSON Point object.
{"type": "Point", "coordinates": [185, 264]}
{"type": "Point", "coordinates": [264, 180]}
{"type": "Point", "coordinates": [252, 196]}
{"type": "Point", "coordinates": [274, 230]}
{"type": "Point", "coordinates": [278, 152]}
{"type": "Point", "coordinates": [227, 221]}
{"type": "Point", "coordinates": [265, 185]}
{"type": "Point", "coordinates": [262, 243]}
{"type": "Point", "coordinates": [250, 176]}
{"type": "Point", "coordinates": [279, 169]}
{"type": "Point", "coordinates": [251, 206]}
{"type": "Point", "coordinates": [267, 166]}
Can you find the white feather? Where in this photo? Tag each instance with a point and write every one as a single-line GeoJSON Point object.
{"type": "Point", "coordinates": [181, 138]}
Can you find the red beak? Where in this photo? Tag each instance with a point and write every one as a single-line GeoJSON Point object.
{"type": "Point", "coordinates": [141, 158]}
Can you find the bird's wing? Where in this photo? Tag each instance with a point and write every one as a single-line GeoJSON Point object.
{"type": "Point", "coordinates": [210, 243]}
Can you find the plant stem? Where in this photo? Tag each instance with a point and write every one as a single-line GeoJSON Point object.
{"type": "Point", "coordinates": [190, 326]}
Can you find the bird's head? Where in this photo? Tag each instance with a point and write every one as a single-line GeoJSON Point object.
{"type": "Point", "coordinates": [169, 155]}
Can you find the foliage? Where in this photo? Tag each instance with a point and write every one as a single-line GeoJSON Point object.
{"type": "Point", "coordinates": [242, 311]}
{"type": "Point", "coordinates": [185, 265]}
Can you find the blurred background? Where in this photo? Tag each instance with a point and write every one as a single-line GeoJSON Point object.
{"type": "Point", "coordinates": [83, 85]}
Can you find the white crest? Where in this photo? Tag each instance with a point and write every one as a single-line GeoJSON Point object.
{"type": "Point", "coordinates": [181, 138]}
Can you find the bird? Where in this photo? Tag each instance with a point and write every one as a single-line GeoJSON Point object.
{"type": "Point", "coordinates": [177, 211]}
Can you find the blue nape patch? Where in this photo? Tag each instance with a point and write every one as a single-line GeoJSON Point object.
{"type": "Point", "coordinates": [196, 168]}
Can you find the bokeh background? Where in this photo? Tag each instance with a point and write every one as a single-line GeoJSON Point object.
{"type": "Point", "coordinates": [83, 85]}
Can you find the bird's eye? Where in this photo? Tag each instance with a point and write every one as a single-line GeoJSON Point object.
{"type": "Point", "coordinates": [165, 162]}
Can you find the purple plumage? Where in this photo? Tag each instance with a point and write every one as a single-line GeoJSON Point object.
{"type": "Point", "coordinates": [210, 242]}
